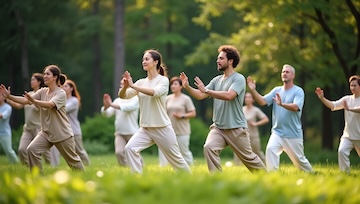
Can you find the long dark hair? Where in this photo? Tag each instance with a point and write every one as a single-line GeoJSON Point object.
{"type": "Point", "coordinates": [74, 91]}
{"type": "Point", "coordinates": [160, 67]}
{"type": "Point", "coordinates": [61, 78]}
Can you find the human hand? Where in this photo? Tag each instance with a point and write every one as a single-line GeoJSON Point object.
{"type": "Point", "coordinates": [127, 80]}
{"type": "Point", "coordinates": [29, 97]}
{"type": "Point", "coordinates": [5, 92]}
{"type": "Point", "coordinates": [277, 99]}
{"type": "Point", "coordinates": [200, 85]}
{"type": "Point", "coordinates": [184, 79]}
{"type": "Point", "coordinates": [346, 106]}
{"type": "Point", "coordinates": [106, 100]}
{"type": "Point", "coordinates": [319, 92]}
{"type": "Point", "coordinates": [251, 83]}
{"type": "Point", "coordinates": [178, 115]}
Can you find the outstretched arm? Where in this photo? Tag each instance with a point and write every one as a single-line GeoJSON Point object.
{"type": "Point", "coordinates": [18, 99]}
{"type": "Point", "coordinates": [196, 93]}
{"type": "Point", "coordinates": [320, 93]}
{"type": "Point", "coordinates": [252, 87]}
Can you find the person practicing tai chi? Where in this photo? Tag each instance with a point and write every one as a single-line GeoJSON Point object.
{"type": "Point", "coordinates": [255, 118]}
{"type": "Point", "coordinates": [286, 133]}
{"type": "Point", "coordinates": [126, 113]}
{"type": "Point", "coordinates": [351, 134]}
{"type": "Point", "coordinates": [55, 126]}
{"type": "Point", "coordinates": [229, 123]}
{"type": "Point", "coordinates": [155, 125]}
{"type": "Point", "coordinates": [180, 109]}
{"type": "Point", "coordinates": [73, 103]}
{"type": "Point", "coordinates": [32, 121]}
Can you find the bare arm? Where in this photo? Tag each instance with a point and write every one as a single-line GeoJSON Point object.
{"type": "Point", "coordinates": [320, 93]}
{"type": "Point", "coordinates": [39, 103]}
{"type": "Point", "coordinates": [14, 104]}
{"type": "Point", "coordinates": [196, 93]}
{"type": "Point", "coordinates": [252, 88]}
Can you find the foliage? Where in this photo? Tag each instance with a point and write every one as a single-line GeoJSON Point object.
{"type": "Point", "coordinates": [103, 182]}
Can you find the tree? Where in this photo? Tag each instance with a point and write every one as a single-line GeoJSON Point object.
{"type": "Point", "coordinates": [119, 44]}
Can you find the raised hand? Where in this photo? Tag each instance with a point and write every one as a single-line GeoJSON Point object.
{"type": "Point", "coordinates": [346, 106]}
{"type": "Point", "coordinates": [200, 85]}
{"type": "Point", "coordinates": [29, 97]}
{"type": "Point", "coordinates": [319, 92]}
{"type": "Point", "coordinates": [5, 92]}
{"type": "Point", "coordinates": [127, 79]}
{"type": "Point", "coordinates": [251, 83]}
{"type": "Point", "coordinates": [106, 100]}
{"type": "Point", "coordinates": [277, 99]}
{"type": "Point", "coordinates": [184, 79]}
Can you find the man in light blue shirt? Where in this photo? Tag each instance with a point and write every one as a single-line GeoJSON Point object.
{"type": "Point", "coordinates": [286, 133]}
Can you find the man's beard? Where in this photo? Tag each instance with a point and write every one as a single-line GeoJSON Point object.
{"type": "Point", "coordinates": [223, 68]}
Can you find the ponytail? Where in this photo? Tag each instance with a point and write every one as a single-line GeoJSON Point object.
{"type": "Point", "coordinates": [62, 79]}
{"type": "Point", "coordinates": [162, 70]}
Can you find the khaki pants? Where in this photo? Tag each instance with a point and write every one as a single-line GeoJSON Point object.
{"type": "Point", "coordinates": [67, 149]}
{"type": "Point", "coordinates": [345, 146]}
{"type": "Point", "coordinates": [26, 138]}
{"type": "Point", "coordinates": [79, 148]}
{"type": "Point", "coordinates": [256, 148]}
{"type": "Point", "coordinates": [164, 138]}
{"type": "Point", "coordinates": [120, 143]}
{"type": "Point", "coordinates": [239, 142]}
{"type": "Point", "coordinates": [294, 148]}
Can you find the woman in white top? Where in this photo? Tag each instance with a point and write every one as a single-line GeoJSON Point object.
{"type": "Point", "coordinates": [180, 109]}
{"type": "Point", "coordinates": [155, 125]}
{"type": "Point", "coordinates": [254, 117]}
{"type": "Point", "coordinates": [73, 103]}
{"type": "Point", "coordinates": [126, 113]}
{"type": "Point", "coordinates": [351, 134]}
{"type": "Point", "coordinates": [32, 121]}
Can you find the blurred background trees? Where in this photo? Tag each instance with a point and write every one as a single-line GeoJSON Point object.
{"type": "Point", "coordinates": [95, 41]}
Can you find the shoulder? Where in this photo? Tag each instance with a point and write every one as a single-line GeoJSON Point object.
{"type": "Point", "coordinates": [163, 78]}
{"type": "Point", "coordinates": [237, 75]}
{"type": "Point", "coordinates": [7, 106]}
{"type": "Point", "coordinates": [298, 89]}
{"type": "Point", "coordinates": [73, 99]}
{"type": "Point", "coordinates": [186, 97]}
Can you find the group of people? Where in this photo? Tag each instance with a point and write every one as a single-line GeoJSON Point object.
{"type": "Point", "coordinates": [50, 120]}
{"type": "Point", "coordinates": [164, 119]}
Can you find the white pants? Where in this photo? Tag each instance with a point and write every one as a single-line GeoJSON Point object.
{"type": "Point", "coordinates": [294, 148]}
{"type": "Point", "coordinates": [345, 146]}
{"type": "Point", "coordinates": [184, 142]}
{"type": "Point", "coordinates": [164, 138]}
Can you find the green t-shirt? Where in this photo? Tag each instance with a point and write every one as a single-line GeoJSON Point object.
{"type": "Point", "coordinates": [229, 114]}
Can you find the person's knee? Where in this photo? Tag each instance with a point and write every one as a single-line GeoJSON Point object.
{"type": "Point", "coordinates": [342, 152]}
{"type": "Point", "coordinates": [120, 152]}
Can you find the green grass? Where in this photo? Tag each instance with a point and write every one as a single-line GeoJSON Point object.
{"type": "Point", "coordinates": [106, 182]}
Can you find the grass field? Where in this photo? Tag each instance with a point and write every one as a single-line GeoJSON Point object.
{"type": "Point", "coordinates": [105, 182]}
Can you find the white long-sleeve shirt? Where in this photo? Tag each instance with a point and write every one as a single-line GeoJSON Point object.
{"type": "Point", "coordinates": [126, 118]}
{"type": "Point", "coordinates": [152, 108]}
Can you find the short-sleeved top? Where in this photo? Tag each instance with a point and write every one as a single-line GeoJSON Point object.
{"type": "Point", "coordinates": [152, 108]}
{"type": "Point", "coordinates": [229, 114]}
{"type": "Point", "coordinates": [54, 122]}
{"type": "Point", "coordinates": [181, 104]}
{"type": "Point", "coordinates": [5, 129]}
{"type": "Point", "coordinates": [126, 118]}
{"type": "Point", "coordinates": [253, 114]}
{"type": "Point", "coordinates": [286, 123]}
{"type": "Point", "coordinates": [32, 116]}
{"type": "Point", "coordinates": [352, 119]}
{"type": "Point", "coordinates": [72, 110]}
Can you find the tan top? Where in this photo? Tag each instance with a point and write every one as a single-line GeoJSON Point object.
{"type": "Point", "coordinates": [32, 116]}
{"type": "Point", "coordinates": [253, 114]}
{"type": "Point", "coordinates": [352, 120]}
{"type": "Point", "coordinates": [54, 122]}
{"type": "Point", "coordinates": [152, 108]}
{"type": "Point", "coordinates": [181, 104]}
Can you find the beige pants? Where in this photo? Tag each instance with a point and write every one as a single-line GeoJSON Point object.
{"type": "Point", "coordinates": [26, 138]}
{"type": "Point", "coordinates": [184, 143]}
{"type": "Point", "coordinates": [164, 138]}
{"type": "Point", "coordinates": [256, 148]}
{"type": "Point", "coordinates": [239, 142]}
{"type": "Point", "coordinates": [67, 149]}
{"type": "Point", "coordinates": [120, 143]}
{"type": "Point", "coordinates": [294, 148]}
{"type": "Point", "coordinates": [345, 146]}
{"type": "Point", "coordinates": [79, 148]}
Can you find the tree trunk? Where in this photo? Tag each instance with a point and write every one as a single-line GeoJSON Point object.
{"type": "Point", "coordinates": [119, 45]}
{"type": "Point", "coordinates": [97, 63]}
{"type": "Point", "coordinates": [327, 131]}
{"type": "Point", "coordinates": [23, 47]}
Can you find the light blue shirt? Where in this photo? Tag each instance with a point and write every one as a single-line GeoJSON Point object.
{"type": "Point", "coordinates": [229, 114]}
{"type": "Point", "coordinates": [286, 123]}
{"type": "Point", "coordinates": [5, 129]}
